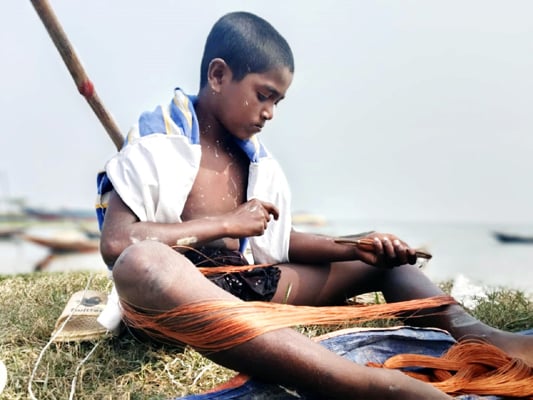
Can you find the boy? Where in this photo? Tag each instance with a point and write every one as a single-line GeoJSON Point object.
{"type": "Point", "coordinates": [193, 176]}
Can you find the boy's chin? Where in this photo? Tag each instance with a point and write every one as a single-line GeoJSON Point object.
{"type": "Point", "coordinates": [244, 135]}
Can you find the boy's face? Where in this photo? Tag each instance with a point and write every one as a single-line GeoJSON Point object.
{"type": "Point", "coordinates": [246, 105]}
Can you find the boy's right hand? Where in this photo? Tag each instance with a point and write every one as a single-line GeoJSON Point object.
{"type": "Point", "coordinates": [382, 250]}
{"type": "Point", "coordinates": [387, 251]}
{"type": "Point", "coordinates": [250, 218]}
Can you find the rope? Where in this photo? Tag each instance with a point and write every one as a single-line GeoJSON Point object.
{"type": "Point", "coordinates": [74, 380]}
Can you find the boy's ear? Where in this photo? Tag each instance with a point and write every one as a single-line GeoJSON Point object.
{"type": "Point", "coordinates": [218, 73]}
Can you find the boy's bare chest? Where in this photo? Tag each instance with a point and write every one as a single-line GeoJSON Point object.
{"type": "Point", "coordinates": [220, 185]}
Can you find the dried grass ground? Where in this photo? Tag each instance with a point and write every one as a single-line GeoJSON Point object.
{"type": "Point", "coordinates": [123, 368]}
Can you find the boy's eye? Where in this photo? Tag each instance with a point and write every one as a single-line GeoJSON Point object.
{"type": "Point", "coordinates": [261, 97]}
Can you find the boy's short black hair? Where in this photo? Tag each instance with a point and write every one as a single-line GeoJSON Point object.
{"type": "Point", "coordinates": [248, 44]}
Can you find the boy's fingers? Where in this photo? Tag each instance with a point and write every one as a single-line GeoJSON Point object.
{"type": "Point", "coordinates": [401, 250]}
{"type": "Point", "coordinates": [388, 248]}
{"type": "Point", "coordinates": [378, 247]}
{"type": "Point", "coordinates": [411, 256]}
{"type": "Point", "coordinates": [271, 209]}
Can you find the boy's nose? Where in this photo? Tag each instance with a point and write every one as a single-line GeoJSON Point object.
{"type": "Point", "coordinates": [267, 113]}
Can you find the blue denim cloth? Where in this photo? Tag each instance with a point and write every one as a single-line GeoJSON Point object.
{"type": "Point", "coordinates": [360, 347]}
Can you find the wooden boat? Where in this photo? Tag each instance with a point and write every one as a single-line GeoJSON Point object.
{"type": "Point", "coordinates": [59, 214]}
{"type": "Point", "coordinates": [512, 238]}
{"type": "Point", "coordinates": [65, 244]}
{"type": "Point", "coordinates": [9, 232]}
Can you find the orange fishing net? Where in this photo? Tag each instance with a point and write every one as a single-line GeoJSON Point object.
{"type": "Point", "coordinates": [216, 325]}
{"type": "Point", "coordinates": [470, 367]}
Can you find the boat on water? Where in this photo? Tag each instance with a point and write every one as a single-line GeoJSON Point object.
{"type": "Point", "coordinates": [9, 232]}
{"type": "Point", "coordinates": [44, 214]}
{"type": "Point", "coordinates": [512, 238]}
{"type": "Point", "coordinates": [64, 244]}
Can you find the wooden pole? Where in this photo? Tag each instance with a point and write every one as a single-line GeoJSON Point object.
{"type": "Point", "coordinates": [84, 85]}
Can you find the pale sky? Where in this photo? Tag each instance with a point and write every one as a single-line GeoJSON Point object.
{"type": "Point", "coordinates": [414, 110]}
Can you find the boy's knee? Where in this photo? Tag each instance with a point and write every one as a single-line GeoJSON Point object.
{"type": "Point", "coordinates": [139, 259]}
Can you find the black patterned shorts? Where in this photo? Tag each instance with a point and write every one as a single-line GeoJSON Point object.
{"type": "Point", "coordinates": [258, 284]}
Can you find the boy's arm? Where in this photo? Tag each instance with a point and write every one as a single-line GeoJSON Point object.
{"type": "Point", "coordinates": [122, 228]}
{"type": "Point", "coordinates": [388, 252]}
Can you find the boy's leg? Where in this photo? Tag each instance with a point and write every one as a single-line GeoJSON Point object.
{"type": "Point", "coordinates": [326, 285]}
{"type": "Point", "coordinates": [152, 275]}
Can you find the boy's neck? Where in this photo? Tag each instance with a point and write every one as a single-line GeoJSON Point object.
{"type": "Point", "coordinates": [210, 128]}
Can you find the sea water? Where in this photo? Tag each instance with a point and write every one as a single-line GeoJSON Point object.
{"type": "Point", "coordinates": [459, 250]}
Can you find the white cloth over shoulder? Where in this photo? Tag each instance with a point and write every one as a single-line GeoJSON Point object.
{"type": "Point", "coordinates": [155, 171]}
{"type": "Point", "coordinates": [154, 175]}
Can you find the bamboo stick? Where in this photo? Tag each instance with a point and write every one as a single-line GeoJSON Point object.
{"type": "Point", "coordinates": [84, 85]}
